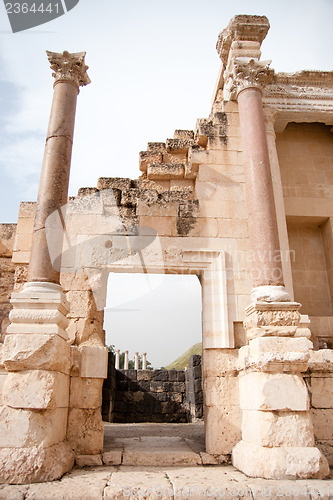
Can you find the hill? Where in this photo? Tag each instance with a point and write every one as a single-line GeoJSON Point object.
{"type": "Point", "coordinates": [183, 360]}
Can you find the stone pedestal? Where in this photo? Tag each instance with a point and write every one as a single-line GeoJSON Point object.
{"type": "Point", "coordinates": [277, 431]}
{"type": "Point", "coordinates": [33, 421]}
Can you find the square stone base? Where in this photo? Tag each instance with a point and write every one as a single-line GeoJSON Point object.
{"type": "Point", "coordinates": [280, 463]}
{"type": "Point", "coordinates": [35, 464]}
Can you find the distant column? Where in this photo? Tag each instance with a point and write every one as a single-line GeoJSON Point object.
{"type": "Point", "coordinates": [144, 361]}
{"type": "Point", "coordinates": [136, 361]}
{"type": "Point", "coordinates": [117, 359]}
{"type": "Point", "coordinates": [70, 74]}
{"type": "Point", "coordinates": [126, 361]}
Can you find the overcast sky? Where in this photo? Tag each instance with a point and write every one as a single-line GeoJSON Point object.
{"type": "Point", "coordinates": [153, 66]}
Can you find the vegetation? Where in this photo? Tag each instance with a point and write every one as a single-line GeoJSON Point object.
{"type": "Point", "coordinates": [182, 362]}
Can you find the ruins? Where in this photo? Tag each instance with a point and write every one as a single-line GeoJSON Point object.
{"type": "Point", "coordinates": [245, 203]}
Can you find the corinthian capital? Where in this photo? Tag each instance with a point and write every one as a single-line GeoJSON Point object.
{"type": "Point", "coordinates": [69, 67]}
{"type": "Point", "coordinates": [244, 72]}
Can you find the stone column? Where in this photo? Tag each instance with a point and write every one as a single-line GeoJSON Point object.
{"type": "Point", "coordinates": [36, 354]}
{"type": "Point", "coordinates": [126, 360]}
{"type": "Point", "coordinates": [144, 361]}
{"type": "Point", "coordinates": [247, 77]}
{"type": "Point", "coordinates": [70, 74]}
{"type": "Point", "coordinates": [136, 361]}
{"type": "Point", "coordinates": [117, 359]}
{"type": "Point", "coordinates": [277, 433]}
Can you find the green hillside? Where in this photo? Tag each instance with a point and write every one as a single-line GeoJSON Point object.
{"type": "Point", "coordinates": [183, 360]}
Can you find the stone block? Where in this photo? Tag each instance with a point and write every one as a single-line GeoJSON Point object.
{"type": "Point", "coordinates": [326, 447]}
{"type": "Point", "coordinates": [36, 352]}
{"type": "Point", "coordinates": [85, 392]}
{"type": "Point", "coordinates": [321, 361]}
{"type": "Point", "coordinates": [36, 390]}
{"type": "Point", "coordinates": [221, 391]}
{"type": "Point", "coordinates": [88, 460]}
{"type": "Point", "coordinates": [266, 391]}
{"type": "Point", "coordinates": [35, 464]}
{"type": "Point", "coordinates": [279, 463]}
{"type": "Point", "coordinates": [273, 429]}
{"type": "Point", "coordinates": [223, 429]}
{"type": "Point", "coordinates": [217, 362]}
{"type": "Point", "coordinates": [24, 428]}
{"type": "Point", "coordinates": [322, 423]}
{"type": "Point", "coordinates": [322, 392]}
{"type": "Point", "coordinates": [85, 430]}
{"type": "Point", "coordinates": [94, 361]}
{"type": "Point", "coordinates": [276, 354]}
{"type": "Point", "coordinates": [112, 457]}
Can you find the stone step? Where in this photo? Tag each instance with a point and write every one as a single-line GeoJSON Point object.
{"type": "Point", "coordinates": [165, 171]}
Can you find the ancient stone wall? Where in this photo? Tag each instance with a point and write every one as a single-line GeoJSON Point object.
{"type": "Point", "coordinates": [319, 380]}
{"type": "Point", "coordinates": [7, 272]}
{"type": "Point", "coordinates": [153, 395]}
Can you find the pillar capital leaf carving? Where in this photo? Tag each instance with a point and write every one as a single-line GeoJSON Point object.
{"type": "Point", "coordinates": [245, 72]}
{"type": "Point", "coordinates": [69, 67]}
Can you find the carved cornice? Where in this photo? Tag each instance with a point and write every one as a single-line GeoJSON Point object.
{"type": "Point", "coordinates": [69, 67]}
{"type": "Point", "coordinates": [245, 73]}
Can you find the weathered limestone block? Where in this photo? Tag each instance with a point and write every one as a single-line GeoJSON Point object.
{"type": "Point", "coordinates": [81, 303]}
{"type": "Point", "coordinates": [85, 392]}
{"type": "Point", "coordinates": [277, 319]}
{"type": "Point", "coordinates": [39, 311]}
{"type": "Point", "coordinates": [35, 464]}
{"type": "Point", "coordinates": [24, 428]}
{"type": "Point", "coordinates": [165, 171]}
{"type": "Point", "coordinates": [322, 423]}
{"type": "Point", "coordinates": [276, 354]}
{"type": "Point", "coordinates": [321, 361]}
{"type": "Point", "coordinates": [83, 330]}
{"type": "Point", "coordinates": [85, 430]}
{"type": "Point", "coordinates": [326, 447]}
{"type": "Point", "coordinates": [224, 425]}
{"type": "Point", "coordinates": [221, 391]}
{"type": "Point", "coordinates": [36, 389]}
{"type": "Point", "coordinates": [217, 362]}
{"type": "Point", "coordinates": [265, 391]}
{"type": "Point", "coordinates": [94, 361]}
{"type": "Point", "coordinates": [38, 352]}
{"type": "Point", "coordinates": [273, 429]}
{"type": "Point", "coordinates": [88, 460]}
{"type": "Point", "coordinates": [279, 463]}
{"type": "Point", "coordinates": [3, 376]}
{"type": "Point", "coordinates": [322, 392]}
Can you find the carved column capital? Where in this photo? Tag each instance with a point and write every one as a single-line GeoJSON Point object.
{"type": "Point", "coordinates": [69, 68]}
{"type": "Point", "coordinates": [243, 73]}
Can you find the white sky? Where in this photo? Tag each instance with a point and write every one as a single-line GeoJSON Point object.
{"type": "Point", "coordinates": [153, 66]}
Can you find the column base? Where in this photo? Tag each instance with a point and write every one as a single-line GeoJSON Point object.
{"type": "Point", "coordinates": [35, 464]}
{"type": "Point", "coordinates": [270, 293]}
{"type": "Point", "coordinates": [280, 462]}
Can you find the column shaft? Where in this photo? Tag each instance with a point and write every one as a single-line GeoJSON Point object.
{"type": "Point", "coordinates": [53, 187]}
{"type": "Point", "coordinates": [263, 229]}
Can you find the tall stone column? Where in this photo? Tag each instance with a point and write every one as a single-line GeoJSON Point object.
{"type": "Point", "coordinates": [117, 359]}
{"type": "Point", "coordinates": [144, 361]}
{"type": "Point", "coordinates": [126, 360]}
{"type": "Point", "coordinates": [36, 354]}
{"type": "Point", "coordinates": [136, 361]}
{"type": "Point", "coordinates": [277, 434]}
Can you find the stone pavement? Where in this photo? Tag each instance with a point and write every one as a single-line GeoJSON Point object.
{"type": "Point", "coordinates": [161, 461]}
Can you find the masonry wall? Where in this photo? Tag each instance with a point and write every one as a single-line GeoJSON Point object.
{"type": "Point", "coordinates": [7, 272]}
{"type": "Point", "coordinates": [165, 396]}
{"type": "Point", "coordinates": [319, 380]}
